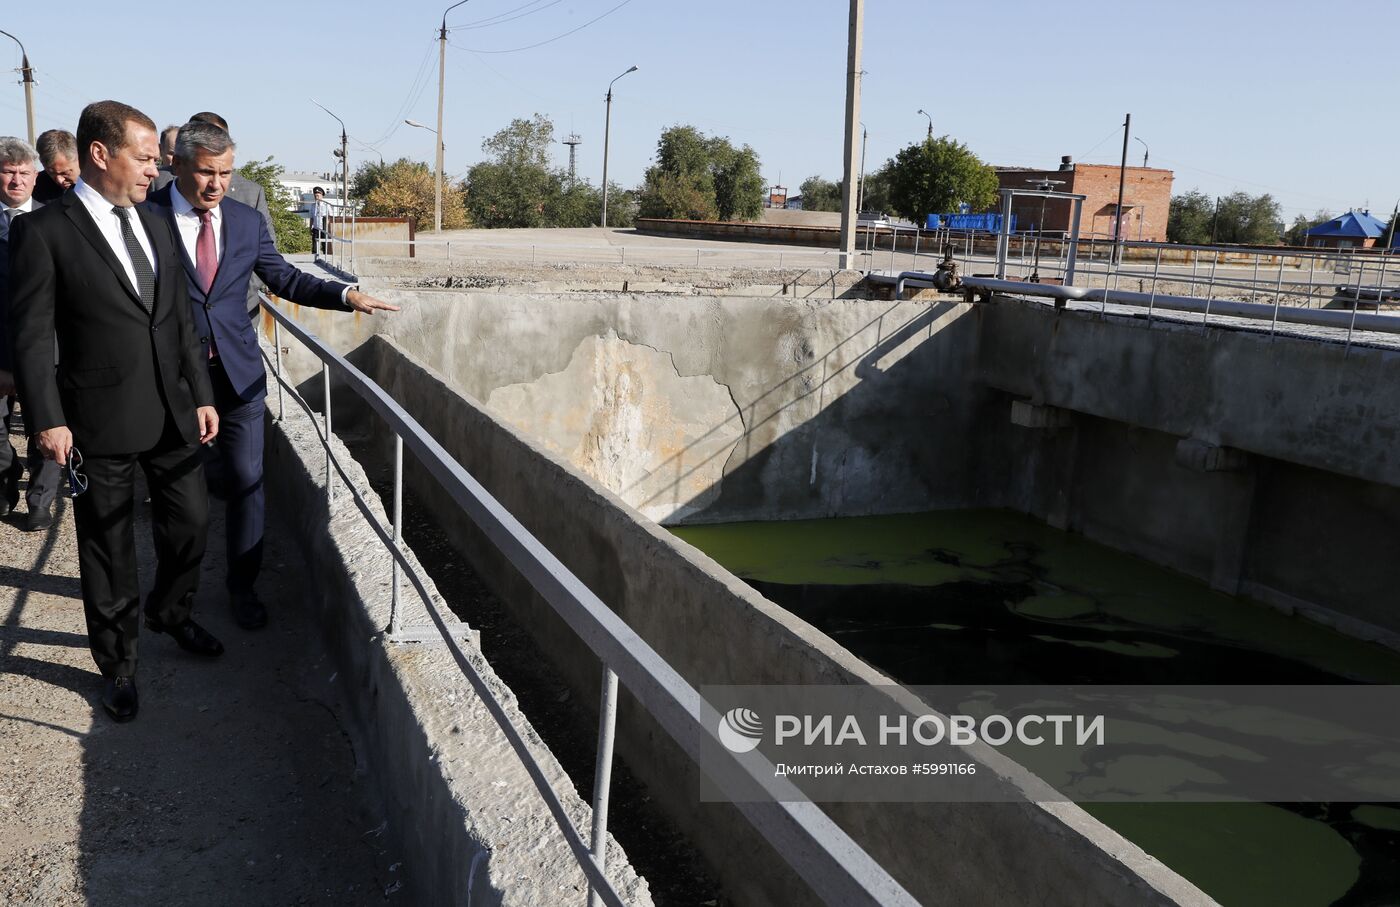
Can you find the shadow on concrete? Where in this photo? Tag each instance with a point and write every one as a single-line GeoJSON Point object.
{"type": "Point", "coordinates": [860, 416]}
{"type": "Point", "coordinates": [237, 784]}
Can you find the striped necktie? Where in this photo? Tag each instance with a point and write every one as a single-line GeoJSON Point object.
{"type": "Point", "coordinates": [145, 276]}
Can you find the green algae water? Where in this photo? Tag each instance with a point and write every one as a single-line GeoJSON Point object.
{"type": "Point", "coordinates": [995, 597]}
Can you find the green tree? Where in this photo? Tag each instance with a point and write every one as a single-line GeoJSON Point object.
{"type": "Point", "coordinates": [938, 175]}
{"type": "Point", "coordinates": [1297, 234]}
{"type": "Point", "coordinates": [515, 186]}
{"type": "Point", "coordinates": [407, 188]}
{"type": "Point", "coordinates": [367, 176]}
{"type": "Point", "coordinates": [877, 195]}
{"type": "Point", "coordinates": [697, 177]}
{"type": "Point", "coordinates": [1253, 220]}
{"type": "Point", "coordinates": [292, 235]}
{"type": "Point", "coordinates": [1189, 218]}
{"type": "Point", "coordinates": [820, 195]}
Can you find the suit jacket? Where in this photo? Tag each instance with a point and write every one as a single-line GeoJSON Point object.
{"type": "Point", "coordinates": [240, 189]}
{"type": "Point", "coordinates": [46, 190]}
{"type": "Point", "coordinates": [121, 373]}
{"type": "Point", "coordinates": [221, 315]}
{"type": "Point", "coordinates": [7, 361]}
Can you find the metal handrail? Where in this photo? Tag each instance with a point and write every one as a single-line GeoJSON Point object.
{"type": "Point", "coordinates": [818, 850]}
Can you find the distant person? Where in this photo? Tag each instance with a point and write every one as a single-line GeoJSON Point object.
{"type": "Point", "coordinates": [130, 389]}
{"type": "Point", "coordinates": [320, 222]}
{"type": "Point", "coordinates": [58, 153]}
{"type": "Point", "coordinates": [241, 189]}
{"type": "Point", "coordinates": [167, 146]}
{"type": "Point", "coordinates": [225, 243]}
{"type": "Point", "coordinates": [18, 170]}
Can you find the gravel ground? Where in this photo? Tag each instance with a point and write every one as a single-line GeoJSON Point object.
{"type": "Point", "coordinates": [236, 784]}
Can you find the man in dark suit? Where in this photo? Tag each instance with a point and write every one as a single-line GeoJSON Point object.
{"type": "Point", "coordinates": [241, 189]}
{"type": "Point", "coordinates": [18, 163]}
{"type": "Point", "coordinates": [130, 387]}
{"type": "Point", "coordinates": [224, 245]}
{"type": "Point", "coordinates": [58, 152]}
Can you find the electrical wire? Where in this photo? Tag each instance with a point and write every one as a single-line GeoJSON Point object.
{"type": "Point", "coordinates": [505, 17]}
{"type": "Point", "coordinates": [566, 34]}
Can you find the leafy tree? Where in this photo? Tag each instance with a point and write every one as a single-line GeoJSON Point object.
{"type": "Point", "coordinates": [368, 176]}
{"type": "Point", "coordinates": [291, 233]}
{"type": "Point", "coordinates": [407, 188]}
{"type": "Point", "coordinates": [820, 195]}
{"type": "Point", "coordinates": [1297, 234]}
{"type": "Point", "coordinates": [1248, 219]}
{"type": "Point", "coordinates": [515, 186]}
{"type": "Point", "coordinates": [1189, 218]}
{"type": "Point", "coordinates": [698, 177]}
{"type": "Point", "coordinates": [878, 187]}
{"type": "Point", "coordinates": [938, 175]}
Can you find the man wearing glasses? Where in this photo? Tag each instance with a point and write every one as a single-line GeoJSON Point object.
{"type": "Point", "coordinates": [130, 387]}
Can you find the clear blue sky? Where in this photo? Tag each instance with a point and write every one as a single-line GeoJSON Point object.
{"type": "Point", "coordinates": [1286, 97]}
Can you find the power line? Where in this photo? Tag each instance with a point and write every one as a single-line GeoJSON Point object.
{"type": "Point", "coordinates": [505, 17]}
{"type": "Point", "coordinates": [547, 40]}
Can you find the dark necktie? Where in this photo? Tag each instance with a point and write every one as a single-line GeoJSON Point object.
{"type": "Point", "coordinates": [145, 276]}
{"type": "Point", "coordinates": [206, 259]}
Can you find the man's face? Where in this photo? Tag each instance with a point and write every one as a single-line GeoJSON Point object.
{"type": "Point", "coordinates": [63, 170]}
{"type": "Point", "coordinates": [127, 172]}
{"type": "Point", "coordinates": [16, 183]}
{"type": "Point", "coordinates": [167, 147]}
{"type": "Point", "coordinates": [204, 180]}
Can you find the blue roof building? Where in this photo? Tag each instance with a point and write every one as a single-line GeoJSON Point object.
{"type": "Point", "coordinates": [1353, 230]}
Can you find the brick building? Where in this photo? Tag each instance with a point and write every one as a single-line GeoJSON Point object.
{"type": "Point", "coordinates": [1147, 194]}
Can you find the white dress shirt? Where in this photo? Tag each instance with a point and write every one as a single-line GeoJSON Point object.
{"type": "Point", "coordinates": [187, 220]}
{"type": "Point", "coordinates": [111, 229]}
{"type": "Point", "coordinates": [20, 209]}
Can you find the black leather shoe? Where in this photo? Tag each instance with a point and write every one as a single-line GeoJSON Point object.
{"type": "Point", "coordinates": [190, 636]}
{"type": "Point", "coordinates": [119, 698]}
{"type": "Point", "coordinates": [248, 612]}
{"type": "Point", "coordinates": [37, 520]}
{"type": "Point", "coordinates": [9, 489]}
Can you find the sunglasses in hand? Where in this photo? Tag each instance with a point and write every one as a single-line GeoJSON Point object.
{"type": "Point", "coordinates": [77, 481]}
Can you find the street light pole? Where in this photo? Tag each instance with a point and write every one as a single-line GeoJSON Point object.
{"type": "Point", "coordinates": [930, 122]}
{"type": "Point", "coordinates": [1145, 149]}
{"type": "Point", "coordinates": [1122, 178]}
{"type": "Point", "coordinates": [27, 76]}
{"type": "Point", "coordinates": [607, 127]}
{"type": "Point", "coordinates": [442, 82]}
{"type": "Point", "coordinates": [344, 160]}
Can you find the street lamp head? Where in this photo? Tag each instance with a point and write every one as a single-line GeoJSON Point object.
{"type": "Point", "coordinates": [921, 110]}
{"type": "Point", "coordinates": [415, 123]}
{"type": "Point", "coordinates": [633, 69]}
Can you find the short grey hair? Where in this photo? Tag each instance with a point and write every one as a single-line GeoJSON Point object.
{"type": "Point", "coordinates": [15, 150]}
{"type": "Point", "coordinates": [55, 142]}
{"type": "Point", "coordinates": [195, 136]}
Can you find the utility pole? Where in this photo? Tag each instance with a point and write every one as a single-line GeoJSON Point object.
{"type": "Point", "coordinates": [1122, 178]}
{"type": "Point", "coordinates": [27, 77]}
{"type": "Point", "coordinates": [442, 84]}
{"type": "Point", "coordinates": [573, 141]}
{"type": "Point", "coordinates": [849, 199]}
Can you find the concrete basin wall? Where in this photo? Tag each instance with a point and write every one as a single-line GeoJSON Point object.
{"type": "Point", "coordinates": [472, 826]}
{"type": "Point", "coordinates": [715, 630]}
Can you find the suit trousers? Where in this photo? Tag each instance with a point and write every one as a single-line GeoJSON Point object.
{"type": "Point", "coordinates": [44, 475]}
{"type": "Point", "coordinates": [103, 517]}
{"type": "Point", "coordinates": [239, 450]}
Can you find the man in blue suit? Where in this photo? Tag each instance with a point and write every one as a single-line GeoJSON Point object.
{"type": "Point", "coordinates": [225, 243]}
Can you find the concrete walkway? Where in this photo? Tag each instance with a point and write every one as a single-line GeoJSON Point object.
{"type": "Point", "coordinates": [236, 784]}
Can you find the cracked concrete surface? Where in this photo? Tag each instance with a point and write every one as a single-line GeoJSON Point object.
{"type": "Point", "coordinates": [236, 784]}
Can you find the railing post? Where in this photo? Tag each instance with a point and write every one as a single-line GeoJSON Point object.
{"type": "Point", "coordinates": [1312, 269]}
{"type": "Point", "coordinates": [326, 391]}
{"type": "Point", "coordinates": [1278, 297]}
{"type": "Point", "coordinates": [1356, 302]}
{"type": "Point", "coordinates": [1151, 300]}
{"type": "Point", "coordinates": [1210, 291]}
{"type": "Point", "coordinates": [602, 776]}
{"type": "Point", "coordinates": [277, 352]}
{"type": "Point", "coordinates": [395, 618]}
